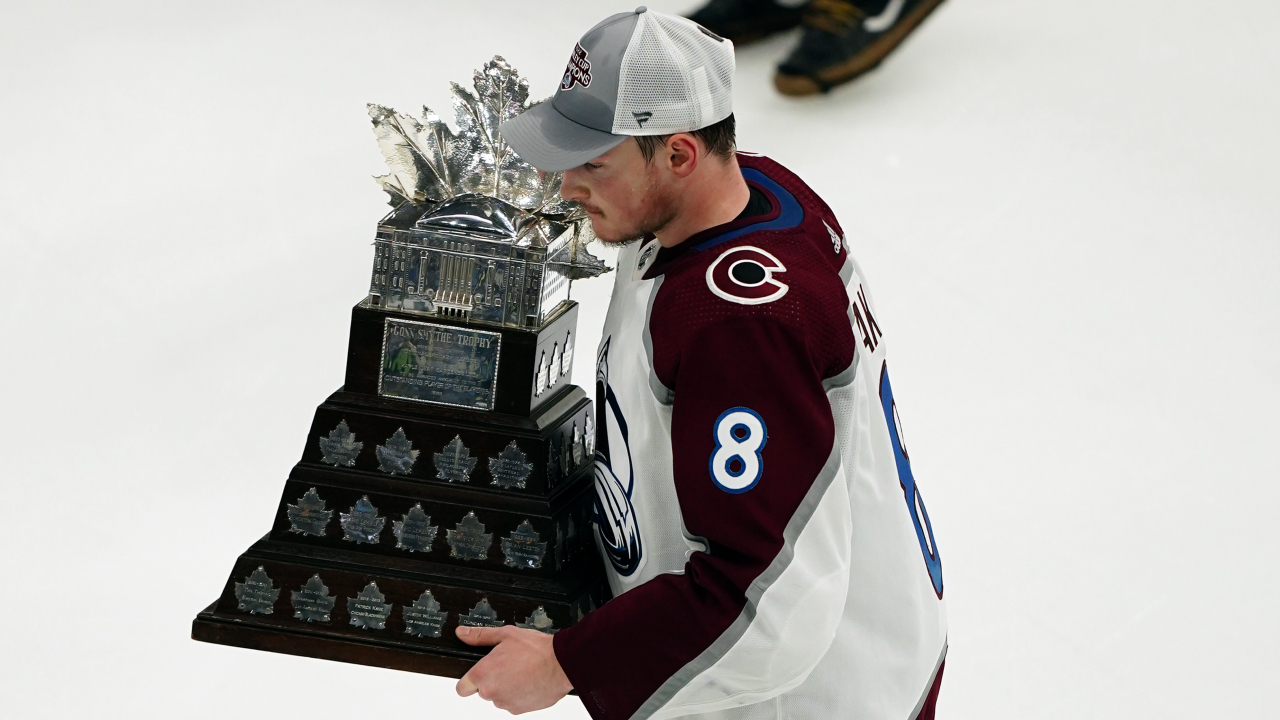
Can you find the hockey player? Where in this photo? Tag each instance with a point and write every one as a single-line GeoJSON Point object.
{"type": "Point", "coordinates": [767, 547]}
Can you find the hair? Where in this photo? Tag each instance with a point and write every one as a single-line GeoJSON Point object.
{"type": "Point", "coordinates": [718, 137]}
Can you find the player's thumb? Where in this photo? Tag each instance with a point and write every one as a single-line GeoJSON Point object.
{"type": "Point", "coordinates": [480, 635]}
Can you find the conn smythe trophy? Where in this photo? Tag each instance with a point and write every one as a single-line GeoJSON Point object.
{"type": "Point", "coordinates": [447, 482]}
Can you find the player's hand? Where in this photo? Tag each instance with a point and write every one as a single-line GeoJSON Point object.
{"type": "Point", "coordinates": [521, 673]}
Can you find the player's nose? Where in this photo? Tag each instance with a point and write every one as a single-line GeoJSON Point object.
{"type": "Point", "coordinates": [572, 187]}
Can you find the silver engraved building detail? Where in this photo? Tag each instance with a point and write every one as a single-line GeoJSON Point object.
{"type": "Point", "coordinates": [424, 618]}
{"type": "Point", "coordinates": [415, 532]}
{"type": "Point", "coordinates": [257, 594]}
{"type": "Point", "coordinates": [309, 516]}
{"type": "Point", "coordinates": [510, 469]}
{"type": "Point", "coordinates": [369, 609]}
{"type": "Point", "coordinates": [362, 524]}
{"type": "Point", "coordinates": [454, 463]}
{"type": "Point", "coordinates": [482, 615]}
{"type": "Point", "coordinates": [313, 602]}
{"type": "Point", "coordinates": [468, 540]}
{"type": "Point", "coordinates": [397, 456]}
{"type": "Point", "coordinates": [476, 233]}
{"type": "Point", "coordinates": [538, 621]}
{"type": "Point", "coordinates": [340, 448]}
{"type": "Point", "coordinates": [522, 549]}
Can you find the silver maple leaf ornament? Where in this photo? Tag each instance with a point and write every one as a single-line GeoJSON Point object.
{"type": "Point", "coordinates": [470, 216]}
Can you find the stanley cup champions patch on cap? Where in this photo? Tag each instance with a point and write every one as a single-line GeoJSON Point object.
{"type": "Point", "coordinates": [578, 71]}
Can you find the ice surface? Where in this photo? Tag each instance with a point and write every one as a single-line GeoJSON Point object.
{"type": "Point", "coordinates": [1067, 212]}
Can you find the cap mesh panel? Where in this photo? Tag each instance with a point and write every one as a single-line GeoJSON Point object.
{"type": "Point", "coordinates": [674, 78]}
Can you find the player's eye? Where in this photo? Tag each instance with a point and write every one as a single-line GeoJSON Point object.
{"type": "Point", "coordinates": [591, 166]}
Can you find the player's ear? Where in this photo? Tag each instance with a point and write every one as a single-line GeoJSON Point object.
{"type": "Point", "coordinates": [683, 153]}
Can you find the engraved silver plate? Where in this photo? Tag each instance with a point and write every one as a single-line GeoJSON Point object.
{"type": "Point", "coordinates": [553, 462]}
{"type": "Point", "coordinates": [439, 364]}
{"type": "Point", "coordinates": [482, 615]}
{"type": "Point", "coordinates": [340, 448]}
{"type": "Point", "coordinates": [469, 541]}
{"type": "Point", "coordinates": [590, 435]}
{"type": "Point", "coordinates": [368, 609]}
{"type": "Point", "coordinates": [538, 621]}
{"type": "Point", "coordinates": [362, 524]}
{"type": "Point", "coordinates": [257, 594]}
{"type": "Point", "coordinates": [397, 456]}
{"type": "Point", "coordinates": [522, 549]}
{"type": "Point", "coordinates": [424, 618]}
{"type": "Point", "coordinates": [540, 378]}
{"type": "Point", "coordinates": [309, 516]}
{"type": "Point", "coordinates": [415, 532]}
{"type": "Point", "coordinates": [509, 469]}
{"type": "Point", "coordinates": [313, 602]}
{"type": "Point", "coordinates": [455, 463]}
{"type": "Point", "coordinates": [566, 358]}
{"type": "Point", "coordinates": [578, 448]}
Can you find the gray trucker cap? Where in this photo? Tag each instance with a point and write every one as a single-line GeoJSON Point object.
{"type": "Point", "coordinates": [636, 73]}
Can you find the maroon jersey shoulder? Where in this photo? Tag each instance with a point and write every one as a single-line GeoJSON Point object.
{"type": "Point", "coordinates": [779, 268]}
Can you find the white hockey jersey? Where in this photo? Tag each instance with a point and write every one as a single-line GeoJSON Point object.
{"type": "Point", "coordinates": [769, 552]}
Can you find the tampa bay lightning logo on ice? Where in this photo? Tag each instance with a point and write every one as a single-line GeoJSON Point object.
{"type": "Point", "coordinates": [615, 516]}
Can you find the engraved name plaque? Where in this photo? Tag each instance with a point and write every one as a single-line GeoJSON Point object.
{"type": "Point", "coordinates": [522, 549]}
{"type": "Point", "coordinates": [538, 621]}
{"type": "Point", "coordinates": [257, 594]}
{"type": "Point", "coordinates": [439, 364]}
{"type": "Point", "coordinates": [424, 618]}
{"type": "Point", "coordinates": [313, 602]}
{"type": "Point", "coordinates": [482, 615]}
{"type": "Point", "coordinates": [415, 532]}
{"type": "Point", "coordinates": [369, 610]}
{"type": "Point", "coordinates": [309, 517]}
{"type": "Point", "coordinates": [362, 524]}
{"type": "Point", "coordinates": [340, 448]}
{"type": "Point", "coordinates": [468, 540]}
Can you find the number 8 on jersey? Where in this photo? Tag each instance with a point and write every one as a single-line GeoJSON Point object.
{"type": "Point", "coordinates": [736, 465]}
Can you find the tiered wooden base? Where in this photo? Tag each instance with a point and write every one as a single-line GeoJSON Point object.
{"type": "Point", "coordinates": [551, 576]}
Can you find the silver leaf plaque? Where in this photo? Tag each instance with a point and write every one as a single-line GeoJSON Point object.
{"type": "Point", "coordinates": [540, 379]}
{"type": "Point", "coordinates": [510, 469]}
{"type": "Point", "coordinates": [482, 615]}
{"type": "Point", "coordinates": [340, 448]}
{"type": "Point", "coordinates": [590, 435]}
{"type": "Point", "coordinates": [522, 549]}
{"type": "Point", "coordinates": [397, 456]}
{"type": "Point", "coordinates": [308, 517]}
{"type": "Point", "coordinates": [566, 454]}
{"type": "Point", "coordinates": [424, 618]}
{"type": "Point", "coordinates": [553, 462]}
{"type": "Point", "coordinates": [578, 448]}
{"type": "Point", "coordinates": [455, 463]}
{"type": "Point", "coordinates": [368, 609]}
{"type": "Point", "coordinates": [362, 524]}
{"type": "Point", "coordinates": [538, 621]}
{"type": "Point", "coordinates": [469, 541]}
{"type": "Point", "coordinates": [566, 358]}
{"type": "Point", "coordinates": [257, 594]}
{"type": "Point", "coordinates": [554, 373]}
{"type": "Point", "coordinates": [313, 602]}
{"type": "Point", "coordinates": [415, 532]}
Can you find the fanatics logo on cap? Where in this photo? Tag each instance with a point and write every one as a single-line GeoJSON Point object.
{"type": "Point", "coordinates": [578, 71]}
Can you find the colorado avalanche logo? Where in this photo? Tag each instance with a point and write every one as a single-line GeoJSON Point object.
{"type": "Point", "coordinates": [615, 516]}
{"type": "Point", "coordinates": [578, 71]}
{"type": "Point", "coordinates": [745, 275]}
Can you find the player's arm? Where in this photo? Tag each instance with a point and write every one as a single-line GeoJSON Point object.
{"type": "Point", "coordinates": [757, 471]}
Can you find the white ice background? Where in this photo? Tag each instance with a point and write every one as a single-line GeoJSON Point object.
{"type": "Point", "coordinates": [1068, 212]}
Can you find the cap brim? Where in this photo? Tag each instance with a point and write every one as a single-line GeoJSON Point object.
{"type": "Point", "coordinates": [551, 142]}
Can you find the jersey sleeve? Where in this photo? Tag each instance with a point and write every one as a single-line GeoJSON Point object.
{"type": "Point", "coordinates": [760, 486]}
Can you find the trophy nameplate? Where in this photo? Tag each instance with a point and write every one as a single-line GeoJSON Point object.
{"type": "Point", "coordinates": [313, 603]}
{"type": "Point", "coordinates": [431, 363]}
{"type": "Point", "coordinates": [448, 482]}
